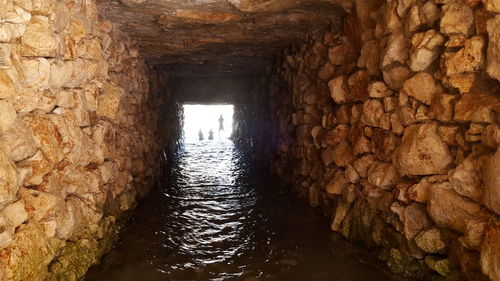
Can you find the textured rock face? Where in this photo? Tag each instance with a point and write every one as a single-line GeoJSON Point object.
{"type": "Point", "coordinates": [424, 137]}
{"type": "Point", "coordinates": [75, 112]}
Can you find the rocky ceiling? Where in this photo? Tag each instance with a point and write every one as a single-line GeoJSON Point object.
{"type": "Point", "coordinates": [225, 34]}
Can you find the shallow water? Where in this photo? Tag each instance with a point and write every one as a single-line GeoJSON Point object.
{"type": "Point", "coordinates": [217, 216]}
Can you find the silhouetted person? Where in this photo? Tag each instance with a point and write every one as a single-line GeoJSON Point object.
{"type": "Point", "coordinates": [221, 124]}
{"type": "Point", "coordinates": [200, 135]}
{"type": "Point", "coordinates": [210, 135]}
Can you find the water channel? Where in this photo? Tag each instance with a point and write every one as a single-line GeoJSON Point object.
{"type": "Point", "coordinates": [217, 215]}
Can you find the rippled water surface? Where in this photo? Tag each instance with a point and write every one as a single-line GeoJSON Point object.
{"type": "Point", "coordinates": [217, 216]}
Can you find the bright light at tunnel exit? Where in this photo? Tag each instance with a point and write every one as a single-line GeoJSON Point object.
{"type": "Point", "coordinates": [206, 117]}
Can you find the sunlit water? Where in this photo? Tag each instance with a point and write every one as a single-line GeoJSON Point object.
{"type": "Point", "coordinates": [218, 216]}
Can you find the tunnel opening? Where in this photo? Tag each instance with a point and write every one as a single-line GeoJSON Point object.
{"type": "Point", "coordinates": [207, 122]}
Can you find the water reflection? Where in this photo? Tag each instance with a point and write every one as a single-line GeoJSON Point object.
{"type": "Point", "coordinates": [219, 217]}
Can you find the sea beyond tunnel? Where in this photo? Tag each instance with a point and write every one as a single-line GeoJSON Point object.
{"type": "Point", "coordinates": [282, 140]}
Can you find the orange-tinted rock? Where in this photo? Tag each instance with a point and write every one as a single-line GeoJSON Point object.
{"type": "Point", "coordinates": [457, 18]}
{"type": "Point", "coordinates": [425, 48]}
{"type": "Point", "coordinates": [493, 57]}
{"type": "Point", "coordinates": [422, 151]}
{"type": "Point", "coordinates": [491, 179]}
{"type": "Point", "coordinates": [422, 87]}
{"type": "Point", "coordinates": [448, 209]}
{"type": "Point", "coordinates": [477, 108]}
{"type": "Point", "coordinates": [490, 260]}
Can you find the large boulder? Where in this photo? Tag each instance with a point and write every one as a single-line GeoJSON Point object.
{"type": "Point", "coordinates": [422, 151]}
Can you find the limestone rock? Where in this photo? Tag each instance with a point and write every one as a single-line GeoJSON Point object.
{"type": "Point", "coordinates": [28, 255]}
{"type": "Point", "coordinates": [491, 135]}
{"type": "Point", "coordinates": [338, 89]}
{"type": "Point", "coordinates": [422, 15]}
{"type": "Point", "coordinates": [415, 220]}
{"type": "Point", "coordinates": [493, 28]}
{"type": "Point", "coordinates": [466, 178]}
{"type": "Point", "coordinates": [422, 151]}
{"type": "Point", "coordinates": [358, 83]}
{"type": "Point", "coordinates": [7, 115]}
{"type": "Point", "coordinates": [422, 87]}
{"type": "Point", "coordinates": [448, 209]}
{"type": "Point", "coordinates": [425, 48]}
{"type": "Point", "coordinates": [326, 71]}
{"type": "Point", "coordinates": [374, 115]}
{"type": "Point", "coordinates": [431, 241]}
{"type": "Point", "coordinates": [15, 214]}
{"type": "Point", "coordinates": [19, 140]}
{"type": "Point", "coordinates": [9, 182]}
{"type": "Point", "coordinates": [468, 59]}
{"type": "Point", "coordinates": [395, 76]}
{"type": "Point", "coordinates": [378, 89]}
{"type": "Point", "coordinates": [363, 164]}
{"type": "Point", "coordinates": [7, 88]}
{"type": "Point", "coordinates": [34, 169]}
{"type": "Point", "coordinates": [39, 40]}
{"type": "Point", "coordinates": [342, 154]}
{"type": "Point", "coordinates": [46, 137]}
{"type": "Point", "coordinates": [491, 180]}
{"type": "Point", "coordinates": [492, 5]}
{"type": "Point", "coordinates": [337, 183]}
{"type": "Point", "coordinates": [396, 50]}
{"type": "Point", "coordinates": [443, 107]}
{"type": "Point", "coordinates": [490, 262]}
{"type": "Point", "coordinates": [383, 175]}
{"type": "Point", "coordinates": [370, 57]}
{"type": "Point", "coordinates": [457, 18]}
{"type": "Point", "coordinates": [477, 108]}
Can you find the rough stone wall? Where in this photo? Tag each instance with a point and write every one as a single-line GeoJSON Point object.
{"type": "Point", "coordinates": [391, 126]}
{"type": "Point", "coordinates": [77, 136]}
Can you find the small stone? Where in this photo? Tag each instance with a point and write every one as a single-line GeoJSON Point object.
{"type": "Point", "coordinates": [457, 18]}
{"type": "Point", "coordinates": [490, 261]}
{"type": "Point", "coordinates": [415, 220]}
{"type": "Point", "coordinates": [493, 28]}
{"type": "Point", "coordinates": [383, 175]}
{"type": "Point", "coordinates": [370, 58]}
{"type": "Point", "coordinates": [363, 164]}
{"type": "Point", "coordinates": [358, 84]}
{"type": "Point", "coordinates": [396, 50]}
{"type": "Point", "coordinates": [15, 214]}
{"type": "Point", "coordinates": [491, 136]}
{"type": "Point", "coordinates": [337, 183]}
{"type": "Point", "coordinates": [492, 5]}
{"type": "Point", "coordinates": [342, 154]}
{"type": "Point", "coordinates": [491, 179]}
{"type": "Point", "coordinates": [326, 71]}
{"type": "Point", "coordinates": [466, 178]}
{"type": "Point", "coordinates": [431, 241]}
{"type": "Point", "coordinates": [9, 182]}
{"type": "Point", "coordinates": [396, 76]}
{"type": "Point", "coordinates": [422, 87]}
{"type": "Point", "coordinates": [442, 107]}
{"type": "Point", "coordinates": [425, 48]}
{"type": "Point", "coordinates": [351, 174]}
{"type": "Point", "coordinates": [422, 151]}
{"type": "Point", "coordinates": [378, 89]}
{"type": "Point", "coordinates": [338, 89]}
{"type": "Point", "coordinates": [7, 87]}
{"type": "Point", "coordinates": [374, 115]}
{"type": "Point", "coordinates": [19, 140]}
{"type": "Point", "coordinates": [448, 209]}
{"type": "Point", "coordinates": [109, 101]}
{"type": "Point", "coordinates": [7, 115]}
{"type": "Point", "coordinates": [468, 59]}
{"type": "Point", "coordinates": [477, 108]}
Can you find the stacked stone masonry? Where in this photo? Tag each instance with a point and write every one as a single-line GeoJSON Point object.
{"type": "Point", "coordinates": [392, 128]}
{"type": "Point", "coordinates": [77, 136]}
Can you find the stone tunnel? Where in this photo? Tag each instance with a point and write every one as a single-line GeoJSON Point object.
{"type": "Point", "coordinates": [382, 116]}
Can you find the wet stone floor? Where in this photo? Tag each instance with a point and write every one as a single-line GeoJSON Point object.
{"type": "Point", "coordinates": [218, 216]}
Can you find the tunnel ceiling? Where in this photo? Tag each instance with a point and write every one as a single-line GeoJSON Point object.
{"type": "Point", "coordinates": [217, 34]}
